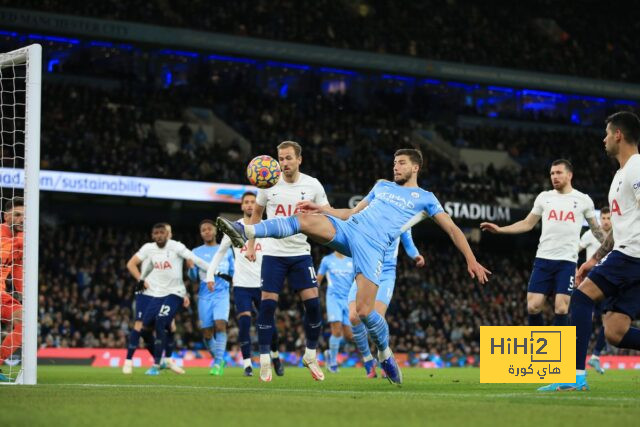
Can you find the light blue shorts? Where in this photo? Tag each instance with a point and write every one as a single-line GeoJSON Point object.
{"type": "Point", "coordinates": [385, 290]}
{"type": "Point", "coordinates": [337, 309]}
{"type": "Point", "coordinates": [367, 255]}
{"type": "Point", "coordinates": [213, 307]}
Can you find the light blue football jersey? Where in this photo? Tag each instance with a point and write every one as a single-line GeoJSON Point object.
{"type": "Point", "coordinates": [394, 209]}
{"type": "Point", "coordinates": [226, 267]}
{"type": "Point", "coordinates": [339, 274]}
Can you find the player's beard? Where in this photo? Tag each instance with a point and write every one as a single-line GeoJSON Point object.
{"type": "Point", "coordinates": [402, 180]}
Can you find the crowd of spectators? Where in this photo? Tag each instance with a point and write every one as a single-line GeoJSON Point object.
{"type": "Point", "coordinates": [346, 146]}
{"type": "Point", "coordinates": [542, 35]}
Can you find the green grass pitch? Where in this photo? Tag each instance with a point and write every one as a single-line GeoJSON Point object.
{"type": "Point", "coordinates": [84, 396]}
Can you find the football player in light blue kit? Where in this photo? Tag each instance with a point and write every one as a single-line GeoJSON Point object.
{"type": "Point", "coordinates": [383, 297]}
{"type": "Point", "coordinates": [365, 235]}
{"type": "Point", "coordinates": [338, 269]}
{"type": "Point", "coordinates": [213, 304]}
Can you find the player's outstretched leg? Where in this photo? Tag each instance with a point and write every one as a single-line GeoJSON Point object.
{"type": "Point", "coordinates": [275, 227]}
{"type": "Point", "coordinates": [317, 227]}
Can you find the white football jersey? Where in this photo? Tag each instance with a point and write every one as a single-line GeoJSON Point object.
{"type": "Point", "coordinates": [246, 274]}
{"type": "Point", "coordinates": [562, 219]}
{"type": "Point", "coordinates": [281, 200]}
{"type": "Point", "coordinates": [589, 244]}
{"type": "Point", "coordinates": [624, 202]}
{"type": "Point", "coordinates": [166, 277]}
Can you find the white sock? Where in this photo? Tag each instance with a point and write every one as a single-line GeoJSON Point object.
{"type": "Point", "coordinates": [265, 359]}
{"type": "Point", "coordinates": [580, 371]}
{"type": "Point", "coordinates": [366, 359]}
{"type": "Point", "coordinates": [385, 354]}
{"type": "Point", "coordinates": [250, 231]}
{"type": "Point", "coordinates": [246, 363]}
{"type": "Point", "coordinates": [310, 354]}
{"type": "Point", "coordinates": [275, 354]}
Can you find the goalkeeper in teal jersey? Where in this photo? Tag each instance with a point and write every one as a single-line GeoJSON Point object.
{"type": "Point", "coordinates": [364, 235]}
{"type": "Point", "coordinates": [213, 304]}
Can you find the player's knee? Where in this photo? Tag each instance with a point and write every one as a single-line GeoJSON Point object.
{"type": "Point", "coordinates": [614, 333]}
{"type": "Point", "coordinates": [221, 326]}
{"type": "Point", "coordinates": [207, 333]}
{"type": "Point", "coordinates": [244, 313]}
{"type": "Point", "coordinates": [363, 310]}
{"type": "Point", "coordinates": [533, 307]}
{"type": "Point", "coordinates": [561, 308]}
{"type": "Point", "coordinates": [354, 318]}
{"type": "Point", "coordinates": [137, 325]}
{"type": "Point", "coordinates": [336, 329]}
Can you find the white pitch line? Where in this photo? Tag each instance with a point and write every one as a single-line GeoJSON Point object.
{"type": "Point", "coordinates": [391, 392]}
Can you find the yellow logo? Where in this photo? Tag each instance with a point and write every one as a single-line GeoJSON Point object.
{"type": "Point", "coordinates": [527, 354]}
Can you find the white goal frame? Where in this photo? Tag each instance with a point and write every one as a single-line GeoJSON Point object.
{"type": "Point", "coordinates": [32, 55]}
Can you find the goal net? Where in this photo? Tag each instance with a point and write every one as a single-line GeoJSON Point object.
{"type": "Point", "coordinates": [20, 87]}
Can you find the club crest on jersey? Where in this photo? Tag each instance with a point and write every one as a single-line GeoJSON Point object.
{"type": "Point", "coordinates": [162, 265]}
{"type": "Point", "coordinates": [286, 210]}
{"type": "Point", "coordinates": [561, 216]}
{"type": "Point", "coordinates": [415, 195]}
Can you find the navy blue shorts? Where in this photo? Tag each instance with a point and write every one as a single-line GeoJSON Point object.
{"type": "Point", "coordinates": [552, 276]}
{"type": "Point", "coordinates": [618, 277]}
{"type": "Point", "coordinates": [163, 308]}
{"type": "Point", "coordinates": [142, 301]}
{"type": "Point", "coordinates": [298, 270]}
{"type": "Point", "coordinates": [245, 299]}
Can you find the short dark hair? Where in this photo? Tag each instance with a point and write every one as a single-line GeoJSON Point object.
{"type": "Point", "coordinates": [159, 225]}
{"type": "Point", "coordinates": [567, 164]}
{"type": "Point", "coordinates": [12, 203]}
{"type": "Point", "coordinates": [207, 221]}
{"type": "Point", "coordinates": [605, 210]}
{"type": "Point", "coordinates": [246, 194]}
{"type": "Point", "coordinates": [415, 156]}
{"type": "Point", "coordinates": [628, 123]}
{"type": "Point", "coordinates": [297, 148]}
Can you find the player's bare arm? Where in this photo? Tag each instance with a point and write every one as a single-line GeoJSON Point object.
{"type": "Point", "coordinates": [598, 233]}
{"type": "Point", "coordinates": [475, 269]}
{"type": "Point", "coordinates": [256, 217]}
{"type": "Point", "coordinates": [603, 250]}
{"type": "Point", "coordinates": [132, 266]}
{"type": "Point", "coordinates": [308, 206]}
{"type": "Point", "coordinates": [521, 226]}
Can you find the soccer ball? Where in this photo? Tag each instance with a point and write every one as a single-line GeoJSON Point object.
{"type": "Point", "coordinates": [263, 171]}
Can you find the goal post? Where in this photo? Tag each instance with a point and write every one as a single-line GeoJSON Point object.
{"type": "Point", "coordinates": [20, 92]}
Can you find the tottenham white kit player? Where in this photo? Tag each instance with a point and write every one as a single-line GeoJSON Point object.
{"type": "Point", "coordinates": [563, 210]}
{"type": "Point", "coordinates": [590, 245]}
{"type": "Point", "coordinates": [613, 273]}
{"type": "Point", "coordinates": [288, 258]}
{"type": "Point", "coordinates": [165, 286]}
{"type": "Point", "coordinates": [246, 288]}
